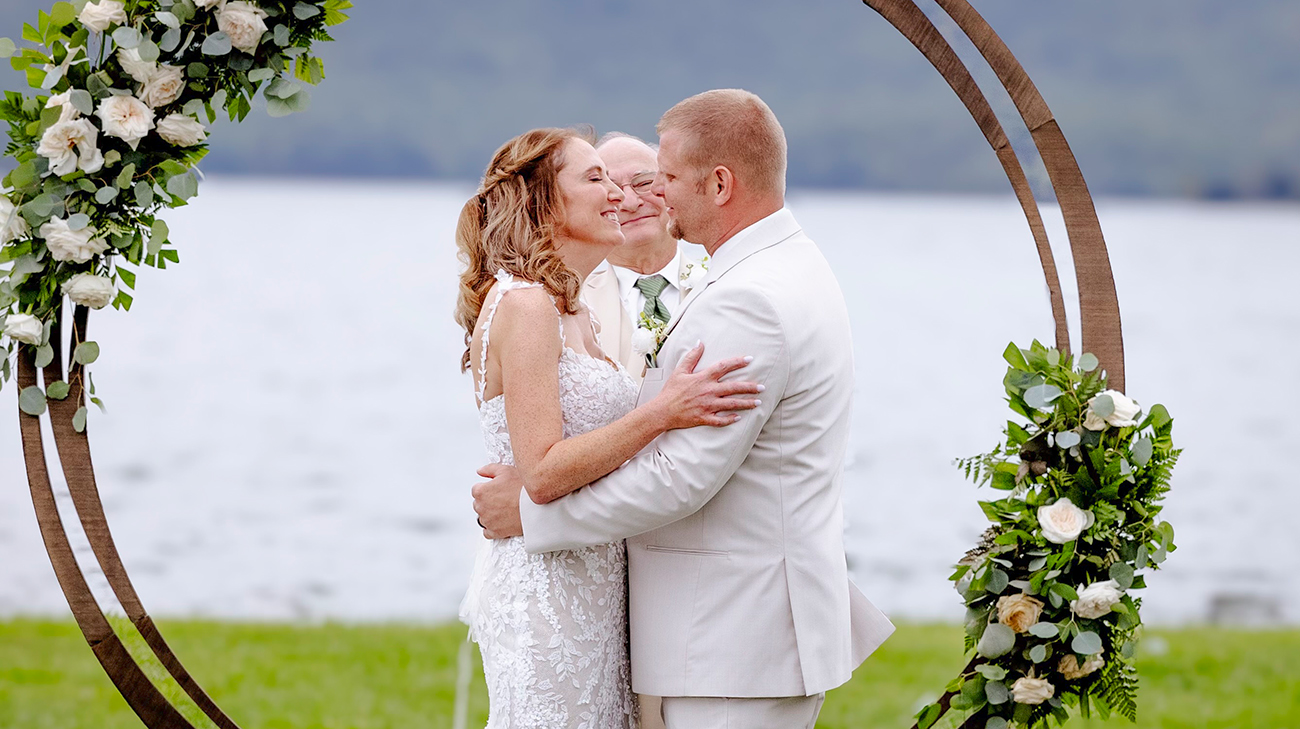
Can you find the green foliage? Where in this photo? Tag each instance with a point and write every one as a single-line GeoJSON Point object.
{"type": "Point", "coordinates": [116, 202]}
{"type": "Point", "coordinates": [1090, 455]}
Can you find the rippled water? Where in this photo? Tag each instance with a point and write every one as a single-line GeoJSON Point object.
{"type": "Point", "coordinates": [289, 435]}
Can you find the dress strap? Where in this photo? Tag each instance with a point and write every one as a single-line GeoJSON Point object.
{"type": "Point", "coordinates": [505, 282]}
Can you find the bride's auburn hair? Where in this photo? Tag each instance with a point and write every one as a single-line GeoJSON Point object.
{"type": "Point", "coordinates": [511, 225]}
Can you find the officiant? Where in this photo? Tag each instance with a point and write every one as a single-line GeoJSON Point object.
{"type": "Point", "coordinates": [642, 282]}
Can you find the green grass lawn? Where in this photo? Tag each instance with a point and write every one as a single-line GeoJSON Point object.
{"type": "Point", "coordinates": [363, 677]}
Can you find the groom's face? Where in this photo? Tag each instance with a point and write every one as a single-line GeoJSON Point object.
{"type": "Point", "coordinates": [678, 184]}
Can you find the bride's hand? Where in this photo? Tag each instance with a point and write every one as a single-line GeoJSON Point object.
{"type": "Point", "coordinates": [691, 398]}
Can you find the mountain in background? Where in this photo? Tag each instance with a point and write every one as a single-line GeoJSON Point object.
{"type": "Point", "coordinates": [1160, 97]}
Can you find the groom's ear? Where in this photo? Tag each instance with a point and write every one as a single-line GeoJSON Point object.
{"type": "Point", "coordinates": [722, 185]}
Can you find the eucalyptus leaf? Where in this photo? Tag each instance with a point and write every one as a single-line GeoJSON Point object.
{"type": "Point", "coordinates": [127, 37]}
{"type": "Point", "coordinates": [217, 44]}
{"type": "Point", "coordinates": [995, 722]}
{"type": "Point", "coordinates": [78, 221]}
{"type": "Point", "coordinates": [1142, 450]}
{"type": "Point", "coordinates": [86, 353]}
{"type": "Point", "coordinates": [996, 692]}
{"type": "Point", "coordinates": [1123, 574]}
{"type": "Point", "coordinates": [105, 195]}
{"type": "Point", "coordinates": [998, 640]}
{"type": "Point", "coordinates": [82, 101]}
{"type": "Point", "coordinates": [57, 390]}
{"type": "Point", "coordinates": [991, 672]}
{"type": "Point", "coordinates": [1086, 643]}
{"type": "Point", "coordinates": [79, 419]}
{"type": "Point", "coordinates": [143, 194]}
{"type": "Point", "coordinates": [31, 400]}
{"type": "Point", "coordinates": [1038, 653]}
{"type": "Point", "coordinates": [259, 75]}
{"type": "Point", "coordinates": [1103, 406]}
{"type": "Point", "coordinates": [44, 355]}
{"type": "Point", "coordinates": [281, 35]}
{"type": "Point", "coordinates": [1040, 396]}
{"type": "Point", "coordinates": [148, 51]}
{"type": "Point", "coordinates": [170, 40]}
{"type": "Point", "coordinates": [1044, 630]}
{"type": "Point", "coordinates": [1088, 362]}
{"type": "Point", "coordinates": [168, 19]}
{"type": "Point", "coordinates": [1068, 439]}
{"type": "Point", "coordinates": [997, 581]}
{"type": "Point", "coordinates": [7, 47]}
{"type": "Point", "coordinates": [303, 11]}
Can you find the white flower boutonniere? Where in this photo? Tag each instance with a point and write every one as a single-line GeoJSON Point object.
{"type": "Point", "coordinates": [648, 338]}
{"type": "Point", "coordinates": [694, 273]}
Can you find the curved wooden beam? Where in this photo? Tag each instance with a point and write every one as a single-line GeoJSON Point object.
{"type": "Point", "coordinates": [1098, 301]}
{"type": "Point", "coordinates": [140, 693]}
{"type": "Point", "coordinates": [79, 472]}
{"type": "Point", "coordinates": [917, 28]}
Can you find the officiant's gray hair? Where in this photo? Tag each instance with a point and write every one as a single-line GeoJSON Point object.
{"type": "Point", "coordinates": [608, 137]}
{"type": "Point", "coordinates": [735, 129]}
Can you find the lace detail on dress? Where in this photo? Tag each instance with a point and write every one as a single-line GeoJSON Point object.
{"type": "Point", "coordinates": [552, 627]}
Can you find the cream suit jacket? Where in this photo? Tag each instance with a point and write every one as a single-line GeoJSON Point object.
{"type": "Point", "coordinates": [736, 568]}
{"type": "Point", "coordinates": [600, 293]}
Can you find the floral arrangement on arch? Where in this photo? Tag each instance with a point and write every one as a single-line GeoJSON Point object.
{"type": "Point", "coordinates": [124, 91]}
{"type": "Point", "coordinates": [1050, 614]}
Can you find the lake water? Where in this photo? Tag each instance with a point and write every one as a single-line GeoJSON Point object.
{"type": "Point", "coordinates": [289, 435]}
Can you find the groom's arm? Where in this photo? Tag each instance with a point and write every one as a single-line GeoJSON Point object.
{"type": "Point", "coordinates": [677, 474]}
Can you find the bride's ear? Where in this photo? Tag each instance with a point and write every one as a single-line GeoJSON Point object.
{"type": "Point", "coordinates": [722, 184]}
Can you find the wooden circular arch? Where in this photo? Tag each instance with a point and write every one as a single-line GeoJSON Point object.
{"type": "Point", "coordinates": [1099, 309]}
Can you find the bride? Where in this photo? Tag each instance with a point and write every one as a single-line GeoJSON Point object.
{"type": "Point", "coordinates": [552, 628]}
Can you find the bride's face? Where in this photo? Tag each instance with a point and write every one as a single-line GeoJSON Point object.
{"type": "Point", "coordinates": [591, 200]}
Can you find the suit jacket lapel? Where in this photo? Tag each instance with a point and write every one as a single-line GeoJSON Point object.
{"type": "Point", "coordinates": [601, 291]}
{"type": "Point", "coordinates": [766, 233]}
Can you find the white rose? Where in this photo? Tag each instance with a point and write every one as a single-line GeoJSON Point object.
{"type": "Point", "coordinates": [243, 23]}
{"type": "Point", "coordinates": [1063, 521]}
{"type": "Point", "coordinates": [1070, 668]}
{"type": "Point", "coordinates": [89, 290]}
{"type": "Point", "coordinates": [1125, 413]}
{"type": "Point", "coordinates": [181, 130]}
{"type": "Point", "coordinates": [135, 67]}
{"type": "Point", "coordinates": [164, 86]}
{"type": "Point", "coordinates": [67, 112]}
{"type": "Point", "coordinates": [1093, 421]}
{"type": "Point", "coordinates": [643, 341]}
{"type": "Point", "coordinates": [72, 145]}
{"type": "Point", "coordinates": [12, 225]}
{"type": "Point", "coordinates": [66, 244]}
{"type": "Point", "coordinates": [209, 4]}
{"type": "Point", "coordinates": [1032, 691]}
{"type": "Point", "coordinates": [98, 16]}
{"type": "Point", "coordinates": [1097, 599]}
{"type": "Point", "coordinates": [694, 276]}
{"type": "Point", "coordinates": [1019, 612]}
{"type": "Point", "coordinates": [126, 118]}
{"type": "Point", "coordinates": [25, 328]}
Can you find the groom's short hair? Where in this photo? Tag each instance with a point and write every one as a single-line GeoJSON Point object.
{"type": "Point", "coordinates": [735, 129]}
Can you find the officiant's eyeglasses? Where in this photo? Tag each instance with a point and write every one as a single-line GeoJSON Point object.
{"type": "Point", "coordinates": [640, 184]}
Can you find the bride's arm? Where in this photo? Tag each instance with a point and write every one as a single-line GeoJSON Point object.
{"type": "Point", "coordinates": [526, 338]}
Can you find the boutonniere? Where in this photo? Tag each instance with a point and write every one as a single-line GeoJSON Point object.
{"type": "Point", "coordinates": [648, 338]}
{"type": "Point", "coordinates": [694, 273]}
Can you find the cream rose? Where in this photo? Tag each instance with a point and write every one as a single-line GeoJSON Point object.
{"type": "Point", "coordinates": [243, 23]}
{"type": "Point", "coordinates": [1063, 521]}
{"type": "Point", "coordinates": [89, 290]}
{"type": "Point", "coordinates": [72, 145]}
{"type": "Point", "coordinates": [98, 16]}
{"type": "Point", "coordinates": [209, 4]}
{"type": "Point", "coordinates": [643, 340]}
{"type": "Point", "coordinates": [66, 244]}
{"type": "Point", "coordinates": [126, 118]}
{"type": "Point", "coordinates": [1097, 599]}
{"type": "Point", "coordinates": [181, 130]}
{"type": "Point", "coordinates": [1019, 612]}
{"type": "Point", "coordinates": [67, 112]}
{"type": "Point", "coordinates": [135, 67]}
{"type": "Point", "coordinates": [24, 328]}
{"type": "Point", "coordinates": [1070, 668]}
{"type": "Point", "coordinates": [1032, 691]}
{"type": "Point", "coordinates": [1124, 414]}
{"type": "Point", "coordinates": [164, 86]}
{"type": "Point", "coordinates": [12, 225]}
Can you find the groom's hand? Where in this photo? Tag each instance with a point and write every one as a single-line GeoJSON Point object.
{"type": "Point", "coordinates": [496, 501]}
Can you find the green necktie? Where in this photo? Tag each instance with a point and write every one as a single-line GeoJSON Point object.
{"type": "Point", "coordinates": [652, 286]}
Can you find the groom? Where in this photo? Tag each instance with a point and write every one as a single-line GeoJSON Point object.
{"type": "Point", "coordinates": [741, 610]}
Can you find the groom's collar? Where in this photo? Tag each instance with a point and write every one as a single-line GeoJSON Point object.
{"type": "Point", "coordinates": [758, 235]}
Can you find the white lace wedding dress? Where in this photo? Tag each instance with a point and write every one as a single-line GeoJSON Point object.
{"type": "Point", "coordinates": [552, 628]}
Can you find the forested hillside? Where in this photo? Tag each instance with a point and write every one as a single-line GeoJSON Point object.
{"type": "Point", "coordinates": [1160, 97]}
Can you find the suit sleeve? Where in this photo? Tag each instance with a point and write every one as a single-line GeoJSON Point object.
{"type": "Point", "coordinates": [677, 474]}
